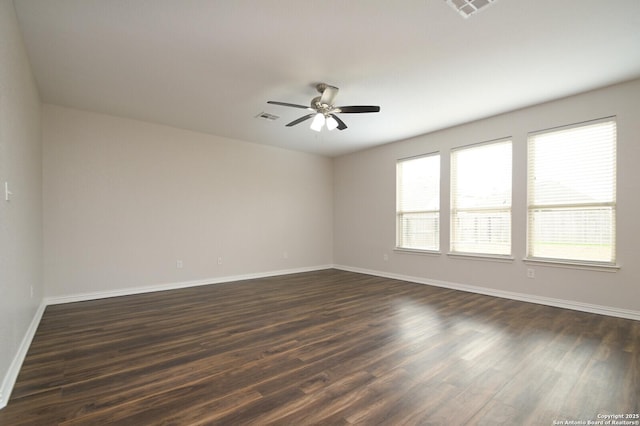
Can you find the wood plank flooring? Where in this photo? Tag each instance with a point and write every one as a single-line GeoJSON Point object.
{"type": "Point", "coordinates": [327, 347]}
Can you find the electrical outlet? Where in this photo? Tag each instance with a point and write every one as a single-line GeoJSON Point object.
{"type": "Point", "coordinates": [285, 255]}
{"type": "Point", "coordinates": [179, 264]}
{"type": "Point", "coordinates": [531, 273]}
{"type": "Point", "coordinates": [220, 261]}
{"type": "Point", "coordinates": [385, 257]}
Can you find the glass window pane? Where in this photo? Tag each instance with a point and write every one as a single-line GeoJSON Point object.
{"type": "Point", "coordinates": [418, 203]}
{"type": "Point", "coordinates": [482, 232]}
{"type": "Point", "coordinates": [570, 233]}
{"type": "Point", "coordinates": [572, 193]}
{"type": "Point", "coordinates": [481, 199]}
{"type": "Point", "coordinates": [420, 230]}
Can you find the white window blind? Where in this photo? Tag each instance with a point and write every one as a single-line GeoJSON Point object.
{"type": "Point", "coordinates": [418, 203]}
{"type": "Point", "coordinates": [481, 199]}
{"type": "Point", "coordinates": [572, 193]}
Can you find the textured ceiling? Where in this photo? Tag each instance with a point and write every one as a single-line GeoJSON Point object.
{"type": "Point", "coordinates": [211, 66]}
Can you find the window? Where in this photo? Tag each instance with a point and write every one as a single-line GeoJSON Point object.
{"type": "Point", "coordinates": [572, 193]}
{"type": "Point", "coordinates": [418, 203]}
{"type": "Point", "coordinates": [481, 199]}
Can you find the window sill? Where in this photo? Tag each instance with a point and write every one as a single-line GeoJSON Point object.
{"type": "Point", "coordinates": [417, 251]}
{"type": "Point", "coordinates": [475, 256]}
{"type": "Point", "coordinates": [557, 263]}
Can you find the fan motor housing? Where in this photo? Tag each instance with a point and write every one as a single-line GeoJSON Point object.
{"type": "Point", "coordinates": [319, 106]}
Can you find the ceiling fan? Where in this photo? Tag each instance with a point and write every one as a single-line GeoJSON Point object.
{"type": "Point", "coordinates": [324, 112]}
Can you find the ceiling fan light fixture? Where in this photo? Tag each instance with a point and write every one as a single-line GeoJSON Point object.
{"type": "Point", "coordinates": [324, 112]}
{"type": "Point", "coordinates": [331, 123]}
{"type": "Point", "coordinates": [318, 122]}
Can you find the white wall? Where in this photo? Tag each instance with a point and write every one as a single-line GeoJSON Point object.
{"type": "Point", "coordinates": [124, 200]}
{"type": "Point", "coordinates": [364, 202]}
{"type": "Point", "coordinates": [21, 217]}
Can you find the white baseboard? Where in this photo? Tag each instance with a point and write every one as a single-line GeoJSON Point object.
{"type": "Point", "coordinates": [14, 369]}
{"type": "Point", "coordinates": [558, 303]}
{"type": "Point", "coordinates": [81, 297]}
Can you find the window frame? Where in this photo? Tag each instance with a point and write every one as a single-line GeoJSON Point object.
{"type": "Point", "coordinates": [574, 263]}
{"type": "Point", "coordinates": [399, 212]}
{"type": "Point", "coordinates": [453, 209]}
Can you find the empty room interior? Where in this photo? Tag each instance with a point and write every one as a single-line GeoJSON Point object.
{"type": "Point", "coordinates": [338, 212]}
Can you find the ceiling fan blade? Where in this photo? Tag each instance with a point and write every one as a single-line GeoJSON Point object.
{"type": "Point", "coordinates": [300, 120]}
{"type": "Point", "coordinates": [341, 125]}
{"type": "Point", "coordinates": [358, 108]}
{"type": "Point", "coordinates": [328, 95]}
{"type": "Point", "coordinates": [288, 104]}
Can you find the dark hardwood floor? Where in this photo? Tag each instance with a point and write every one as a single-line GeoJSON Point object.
{"type": "Point", "coordinates": [327, 347]}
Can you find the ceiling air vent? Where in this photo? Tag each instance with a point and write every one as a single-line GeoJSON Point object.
{"type": "Point", "coordinates": [267, 116]}
{"type": "Point", "coordinates": [467, 8]}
